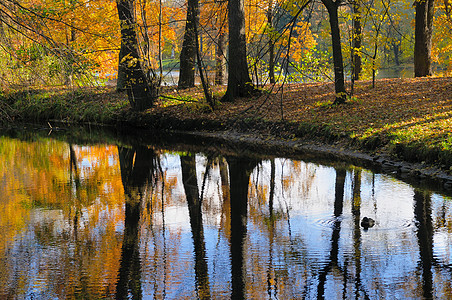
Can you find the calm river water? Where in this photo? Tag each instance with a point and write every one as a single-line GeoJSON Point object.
{"type": "Point", "coordinates": [118, 220]}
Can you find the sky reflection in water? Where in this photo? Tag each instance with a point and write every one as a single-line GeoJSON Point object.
{"type": "Point", "coordinates": [106, 221]}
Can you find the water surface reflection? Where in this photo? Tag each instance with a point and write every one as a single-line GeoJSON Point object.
{"type": "Point", "coordinates": [136, 221]}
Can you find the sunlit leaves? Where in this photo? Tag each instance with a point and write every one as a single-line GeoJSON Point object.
{"type": "Point", "coordinates": [442, 35]}
{"type": "Point", "coordinates": [293, 6]}
{"type": "Point", "coordinates": [76, 38]}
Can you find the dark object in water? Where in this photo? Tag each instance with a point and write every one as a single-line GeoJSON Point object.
{"type": "Point", "coordinates": [367, 222]}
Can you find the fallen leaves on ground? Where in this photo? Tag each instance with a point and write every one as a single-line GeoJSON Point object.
{"type": "Point", "coordinates": [415, 111]}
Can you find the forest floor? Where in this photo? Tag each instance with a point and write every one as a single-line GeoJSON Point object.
{"type": "Point", "coordinates": [404, 119]}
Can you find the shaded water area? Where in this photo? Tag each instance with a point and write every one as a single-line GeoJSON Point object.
{"type": "Point", "coordinates": [112, 218]}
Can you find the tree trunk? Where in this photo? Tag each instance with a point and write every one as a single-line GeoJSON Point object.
{"type": "Point", "coordinates": [357, 40]}
{"type": "Point", "coordinates": [220, 59]}
{"type": "Point", "coordinates": [271, 44]}
{"type": "Point", "coordinates": [239, 82]}
{"type": "Point", "coordinates": [339, 81]}
{"type": "Point", "coordinates": [396, 50]}
{"type": "Point", "coordinates": [202, 75]}
{"type": "Point", "coordinates": [271, 62]}
{"type": "Point", "coordinates": [140, 92]}
{"type": "Point", "coordinates": [188, 52]}
{"type": "Point", "coordinates": [423, 38]}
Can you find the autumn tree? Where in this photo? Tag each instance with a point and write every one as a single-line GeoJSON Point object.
{"type": "Point", "coordinates": [398, 34]}
{"type": "Point", "coordinates": [57, 42]}
{"type": "Point", "coordinates": [188, 52]}
{"type": "Point", "coordinates": [339, 81]}
{"type": "Point", "coordinates": [289, 39]}
{"type": "Point", "coordinates": [141, 91]}
{"type": "Point", "coordinates": [239, 81]}
{"type": "Point", "coordinates": [263, 36]}
{"type": "Point", "coordinates": [442, 36]}
{"type": "Point", "coordinates": [423, 37]}
{"type": "Point", "coordinates": [378, 15]}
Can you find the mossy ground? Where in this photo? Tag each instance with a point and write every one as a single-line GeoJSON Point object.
{"type": "Point", "coordinates": [407, 118]}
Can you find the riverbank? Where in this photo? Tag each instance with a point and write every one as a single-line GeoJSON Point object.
{"type": "Point", "coordinates": [403, 123]}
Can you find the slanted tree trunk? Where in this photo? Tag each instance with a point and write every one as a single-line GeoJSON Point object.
{"type": "Point", "coordinates": [2, 29]}
{"type": "Point", "coordinates": [339, 81]}
{"type": "Point", "coordinates": [140, 92]}
{"type": "Point", "coordinates": [202, 74]}
{"type": "Point", "coordinates": [423, 38]}
{"type": "Point", "coordinates": [188, 52]}
{"type": "Point", "coordinates": [271, 44]}
{"type": "Point", "coordinates": [271, 62]}
{"type": "Point", "coordinates": [239, 81]}
{"type": "Point", "coordinates": [220, 59]}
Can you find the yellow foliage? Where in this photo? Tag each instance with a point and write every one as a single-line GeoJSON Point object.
{"type": "Point", "coordinates": [442, 34]}
{"type": "Point", "coordinates": [303, 41]}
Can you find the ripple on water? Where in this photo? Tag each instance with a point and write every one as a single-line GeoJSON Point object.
{"type": "Point", "coordinates": [394, 225]}
{"type": "Point", "coordinates": [323, 221]}
{"type": "Point", "coordinates": [329, 221]}
{"type": "Point", "coordinates": [442, 249]}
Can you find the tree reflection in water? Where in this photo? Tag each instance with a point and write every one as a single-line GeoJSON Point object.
{"type": "Point", "coordinates": [201, 227]}
{"type": "Point", "coordinates": [239, 177]}
{"type": "Point", "coordinates": [423, 217]}
{"type": "Point", "coordinates": [137, 168]}
{"type": "Point", "coordinates": [338, 209]}
{"type": "Point", "coordinates": [194, 202]}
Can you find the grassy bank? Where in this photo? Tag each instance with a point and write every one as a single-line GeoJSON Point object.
{"type": "Point", "coordinates": [407, 118]}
